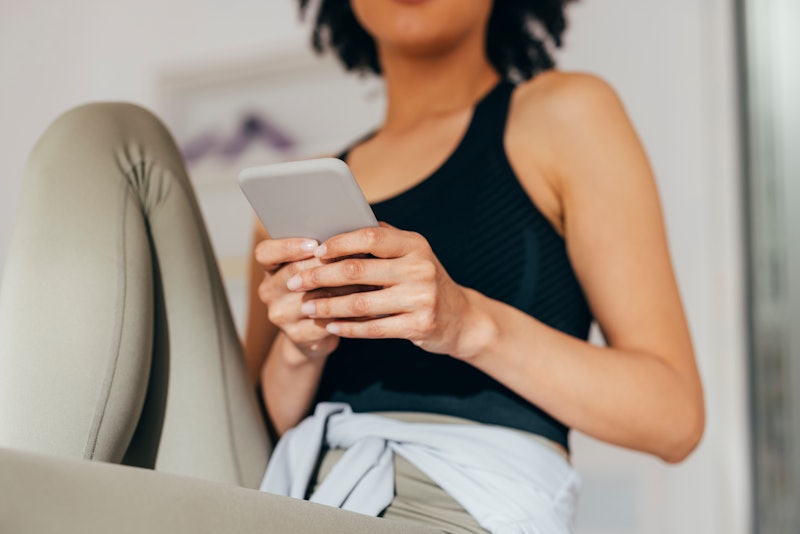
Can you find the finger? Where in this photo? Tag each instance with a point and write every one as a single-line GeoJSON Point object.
{"type": "Point", "coordinates": [330, 292]}
{"type": "Point", "coordinates": [380, 241]}
{"type": "Point", "coordinates": [285, 312]}
{"type": "Point", "coordinates": [307, 331]}
{"type": "Point", "coordinates": [370, 304]}
{"type": "Point", "coordinates": [287, 270]}
{"type": "Point", "coordinates": [273, 287]}
{"type": "Point", "coordinates": [272, 253]}
{"type": "Point", "coordinates": [283, 308]}
{"type": "Point", "coordinates": [373, 272]}
{"type": "Point", "coordinates": [393, 327]}
{"type": "Point", "coordinates": [287, 315]}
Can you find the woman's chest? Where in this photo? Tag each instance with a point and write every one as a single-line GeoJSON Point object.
{"type": "Point", "coordinates": [385, 168]}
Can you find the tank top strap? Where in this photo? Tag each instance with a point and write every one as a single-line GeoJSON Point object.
{"type": "Point", "coordinates": [491, 113]}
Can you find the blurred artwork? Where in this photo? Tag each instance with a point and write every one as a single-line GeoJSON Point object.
{"type": "Point", "coordinates": [253, 110]}
{"type": "Point", "coordinates": [252, 129]}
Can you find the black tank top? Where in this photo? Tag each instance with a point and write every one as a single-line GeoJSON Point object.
{"type": "Point", "coordinates": [489, 236]}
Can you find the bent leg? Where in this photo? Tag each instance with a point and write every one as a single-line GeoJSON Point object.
{"type": "Point", "coordinates": [43, 494]}
{"type": "Point", "coordinates": [110, 269]}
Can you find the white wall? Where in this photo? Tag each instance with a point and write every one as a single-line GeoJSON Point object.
{"type": "Point", "coordinates": [672, 62]}
{"type": "Point", "coordinates": [54, 55]}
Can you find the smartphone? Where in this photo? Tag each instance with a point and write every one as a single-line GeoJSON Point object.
{"type": "Point", "coordinates": [316, 198]}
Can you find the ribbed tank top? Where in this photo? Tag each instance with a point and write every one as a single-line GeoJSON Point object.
{"type": "Point", "coordinates": [489, 236]}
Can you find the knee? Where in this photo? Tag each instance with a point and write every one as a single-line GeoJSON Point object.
{"type": "Point", "coordinates": [104, 119]}
{"type": "Point", "coordinates": [105, 140]}
{"type": "Point", "coordinates": [103, 127]}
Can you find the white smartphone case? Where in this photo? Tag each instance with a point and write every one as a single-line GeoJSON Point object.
{"type": "Point", "coordinates": [317, 198]}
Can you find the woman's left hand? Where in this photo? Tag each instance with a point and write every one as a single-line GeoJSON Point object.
{"type": "Point", "coordinates": [416, 300]}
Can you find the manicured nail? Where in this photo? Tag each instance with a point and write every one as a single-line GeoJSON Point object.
{"type": "Point", "coordinates": [333, 329]}
{"type": "Point", "coordinates": [294, 282]}
{"type": "Point", "coordinates": [308, 246]}
{"type": "Point", "coordinates": [308, 308]}
{"type": "Point", "coordinates": [321, 251]}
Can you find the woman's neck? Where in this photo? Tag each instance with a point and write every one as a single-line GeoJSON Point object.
{"type": "Point", "coordinates": [420, 87]}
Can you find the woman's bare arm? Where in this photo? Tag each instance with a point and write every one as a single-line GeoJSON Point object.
{"type": "Point", "coordinates": [260, 332]}
{"type": "Point", "coordinates": [288, 379]}
{"type": "Point", "coordinates": [643, 390]}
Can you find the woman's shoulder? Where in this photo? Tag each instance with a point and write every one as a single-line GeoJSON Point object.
{"type": "Point", "coordinates": [563, 100]}
{"type": "Point", "coordinates": [566, 117]}
{"type": "Point", "coordinates": [561, 127]}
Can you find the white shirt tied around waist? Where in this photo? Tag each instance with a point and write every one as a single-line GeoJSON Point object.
{"type": "Point", "coordinates": [509, 483]}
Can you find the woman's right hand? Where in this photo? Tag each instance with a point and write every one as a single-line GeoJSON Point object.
{"type": "Point", "coordinates": [281, 259]}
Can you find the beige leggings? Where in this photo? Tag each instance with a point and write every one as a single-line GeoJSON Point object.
{"type": "Point", "coordinates": [117, 345]}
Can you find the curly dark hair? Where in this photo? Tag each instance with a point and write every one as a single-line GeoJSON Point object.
{"type": "Point", "coordinates": [517, 41]}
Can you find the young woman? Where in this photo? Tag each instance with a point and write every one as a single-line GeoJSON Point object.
{"type": "Point", "coordinates": [513, 215]}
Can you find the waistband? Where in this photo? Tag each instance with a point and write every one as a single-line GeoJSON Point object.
{"type": "Point", "coordinates": [435, 418]}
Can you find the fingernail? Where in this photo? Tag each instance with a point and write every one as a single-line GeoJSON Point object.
{"type": "Point", "coordinates": [308, 308]}
{"type": "Point", "coordinates": [321, 251]}
{"type": "Point", "coordinates": [294, 282]}
{"type": "Point", "coordinates": [308, 246]}
{"type": "Point", "coordinates": [332, 329]}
